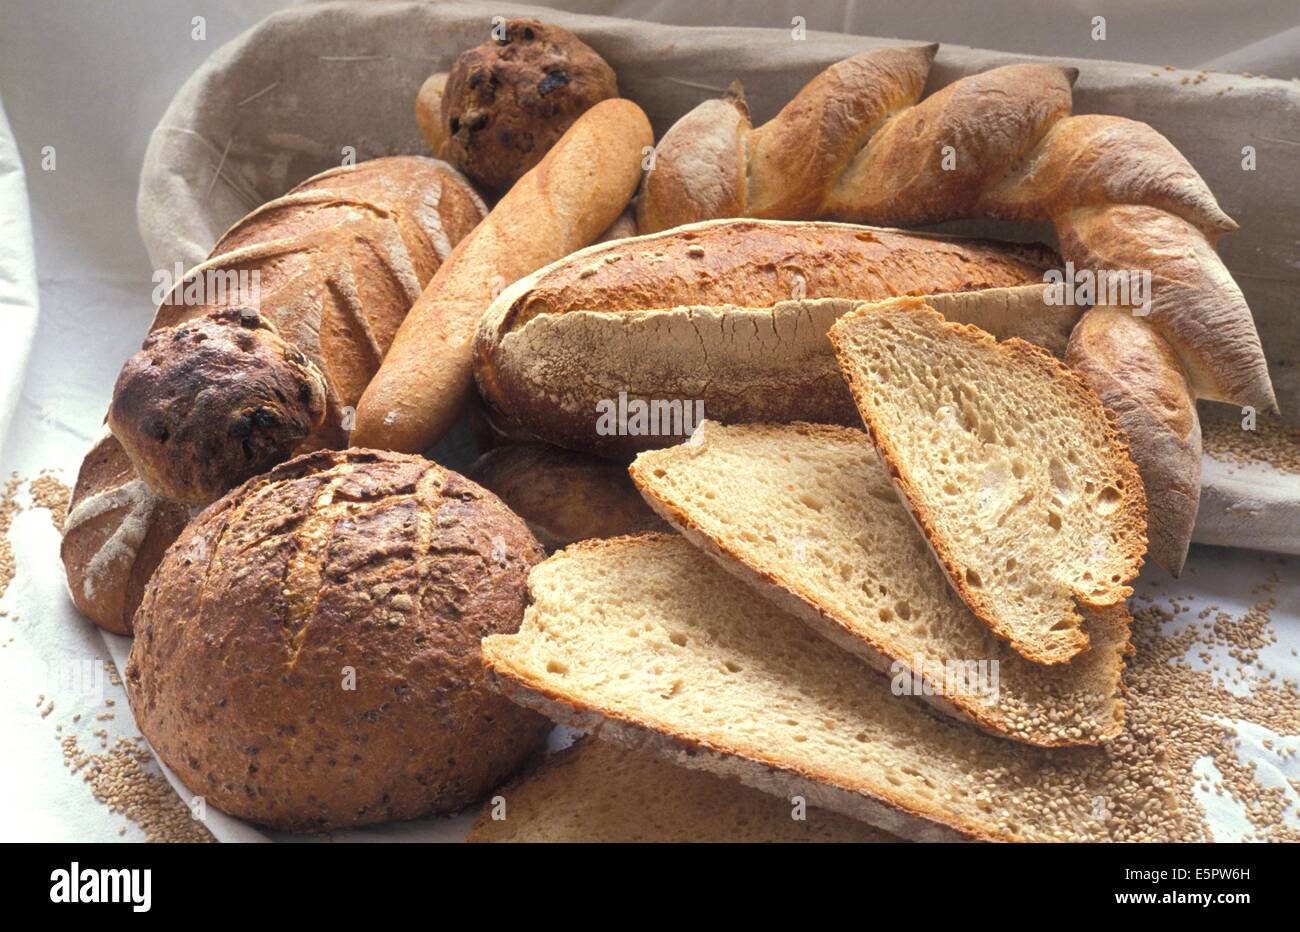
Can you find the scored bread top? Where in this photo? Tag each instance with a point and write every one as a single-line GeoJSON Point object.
{"type": "Point", "coordinates": [648, 641]}
{"type": "Point", "coordinates": [1014, 470]}
{"type": "Point", "coordinates": [757, 263]}
{"type": "Point", "coordinates": [598, 791]}
{"type": "Point", "coordinates": [806, 513]}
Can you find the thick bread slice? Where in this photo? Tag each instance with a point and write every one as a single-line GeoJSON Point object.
{"type": "Point", "coordinates": [806, 513]}
{"type": "Point", "coordinates": [1011, 465]}
{"type": "Point", "coordinates": [646, 641]}
{"type": "Point", "coordinates": [598, 791]}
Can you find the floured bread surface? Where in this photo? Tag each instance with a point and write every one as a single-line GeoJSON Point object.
{"type": "Point", "coordinates": [1012, 467]}
{"type": "Point", "coordinates": [652, 644]}
{"type": "Point", "coordinates": [807, 514]}
{"type": "Point", "coordinates": [598, 791]}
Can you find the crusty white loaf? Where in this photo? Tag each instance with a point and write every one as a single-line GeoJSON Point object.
{"type": "Point", "coordinates": [729, 317]}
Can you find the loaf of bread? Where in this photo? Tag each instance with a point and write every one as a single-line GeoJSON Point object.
{"type": "Point", "coordinates": [569, 199]}
{"type": "Point", "coordinates": [858, 143]}
{"type": "Point", "coordinates": [649, 642]}
{"type": "Point", "coordinates": [115, 535]}
{"type": "Point", "coordinates": [807, 514]}
{"type": "Point", "coordinates": [306, 654]}
{"type": "Point", "coordinates": [729, 317]}
{"type": "Point", "coordinates": [334, 266]}
{"type": "Point", "coordinates": [598, 791]}
{"type": "Point", "coordinates": [1012, 467]}
{"type": "Point", "coordinates": [564, 496]}
{"type": "Point", "coordinates": [507, 101]}
{"type": "Point", "coordinates": [213, 401]}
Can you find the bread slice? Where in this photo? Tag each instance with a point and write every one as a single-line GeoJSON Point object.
{"type": "Point", "coordinates": [648, 642]}
{"type": "Point", "coordinates": [598, 791]}
{"type": "Point", "coordinates": [806, 513]}
{"type": "Point", "coordinates": [1013, 468]}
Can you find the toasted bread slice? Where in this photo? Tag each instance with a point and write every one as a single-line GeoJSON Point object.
{"type": "Point", "coordinates": [598, 791]}
{"type": "Point", "coordinates": [806, 514]}
{"type": "Point", "coordinates": [1012, 467]}
{"type": "Point", "coordinates": [648, 642]}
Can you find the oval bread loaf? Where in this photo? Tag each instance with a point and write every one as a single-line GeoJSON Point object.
{"type": "Point", "coordinates": [307, 653]}
{"type": "Point", "coordinates": [729, 316]}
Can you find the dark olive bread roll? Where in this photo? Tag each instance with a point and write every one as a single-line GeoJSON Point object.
{"type": "Point", "coordinates": [307, 653]}
{"type": "Point", "coordinates": [210, 402]}
{"type": "Point", "coordinates": [507, 101]}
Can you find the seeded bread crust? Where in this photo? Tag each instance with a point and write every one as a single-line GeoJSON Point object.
{"type": "Point", "coordinates": [1130, 515]}
{"type": "Point", "coordinates": [1110, 624]}
{"type": "Point", "coordinates": [365, 564]}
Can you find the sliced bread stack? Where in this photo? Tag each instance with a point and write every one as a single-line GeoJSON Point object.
{"type": "Point", "coordinates": [807, 515]}
{"type": "Point", "coordinates": [737, 648]}
{"type": "Point", "coordinates": [647, 642]}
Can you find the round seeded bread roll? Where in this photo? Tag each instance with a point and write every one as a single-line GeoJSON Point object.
{"type": "Point", "coordinates": [307, 653]}
{"type": "Point", "coordinates": [506, 102]}
{"type": "Point", "coordinates": [208, 403]}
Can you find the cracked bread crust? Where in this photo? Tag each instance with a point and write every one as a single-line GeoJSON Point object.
{"type": "Point", "coordinates": [729, 313]}
{"type": "Point", "coordinates": [307, 652]}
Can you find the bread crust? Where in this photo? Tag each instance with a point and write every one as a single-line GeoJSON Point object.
{"type": "Point", "coordinates": [375, 566]}
{"type": "Point", "coordinates": [804, 606]}
{"type": "Point", "coordinates": [115, 535]}
{"type": "Point", "coordinates": [700, 314]}
{"type": "Point", "coordinates": [1140, 379]}
{"type": "Point", "coordinates": [1130, 514]}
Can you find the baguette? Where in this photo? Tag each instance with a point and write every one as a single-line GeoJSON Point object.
{"type": "Point", "coordinates": [647, 642]}
{"type": "Point", "coordinates": [1011, 465]}
{"type": "Point", "coordinates": [858, 144]}
{"type": "Point", "coordinates": [730, 316]}
{"type": "Point", "coordinates": [808, 515]}
{"type": "Point", "coordinates": [569, 199]}
{"type": "Point", "coordinates": [597, 791]}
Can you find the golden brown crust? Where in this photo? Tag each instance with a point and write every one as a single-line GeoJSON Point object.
{"type": "Point", "coordinates": [1129, 515]}
{"type": "Point", "coordinates": [508, 100]}
{"type": "Point", "coordinates": [307, 652]}
{"type": "Point", "coordinates": [564, 496]}
{"type": "Point", "coordinates": [576, 334]}
{"type": "Point", "coordinates": [428, 113]}
{"type": "Point", "coordinates": [698, 171]}
{"type": "Point", "coordinates": [213, 401]}
{"type": "Point", "coordinates": [563, 204]}
{"type": "Point", "coordinates": [1139, 378]}
{"type": "Point", "coordinates": [114, 536]}
{"type": "Point", "coordinates": [818, 133]}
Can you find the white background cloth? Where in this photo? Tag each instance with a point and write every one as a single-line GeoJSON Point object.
{"type": "Point", "coordinates": [91, 79]}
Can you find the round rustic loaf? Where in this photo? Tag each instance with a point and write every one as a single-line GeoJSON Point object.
{"type": "Point", "coordinates": [208, 403]}
{"type": "Point", "coordinates": [507, 101]}
{"type": "Point", "coordinates": [114, 536]}
{"type": "Point", "coordinates": [307, 653]}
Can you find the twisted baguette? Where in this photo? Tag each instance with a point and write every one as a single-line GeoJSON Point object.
{"type": "Point", "coordinates": [855, 144]}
